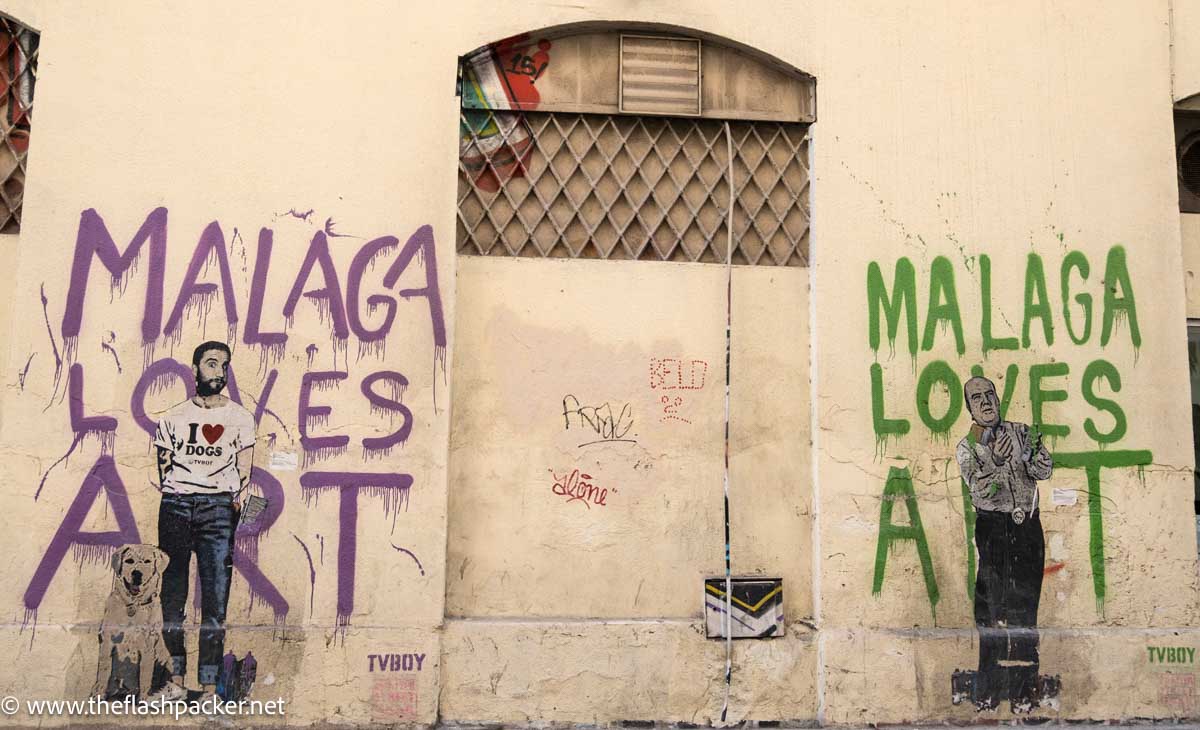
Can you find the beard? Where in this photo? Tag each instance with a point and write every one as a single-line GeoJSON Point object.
{"type": "Point", "coordinates": [209, 387]}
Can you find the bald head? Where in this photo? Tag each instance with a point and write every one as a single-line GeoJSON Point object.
{"type": "Point", "coordinates": [982, 403]}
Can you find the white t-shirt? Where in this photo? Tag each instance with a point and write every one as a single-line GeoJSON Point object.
{"type": "Point", "coordinates": [204, 444]}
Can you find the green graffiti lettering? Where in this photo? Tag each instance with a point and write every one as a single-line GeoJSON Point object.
{"type": "Point", "coordinates": [1076, 260]}
{"type": "Point", "coordinates": [1038, 397]}
{"type": "Point", "coordinates": [985, 284]}
{"type": "Point", "coordinates": [899, 486]}
{"type": "Point", "coordinates": [904, 297]}
{"type": "Point", "coordinates": [943, 304]}
{"type": "Point", "coordinates": [1103, 369]}
{"type": "Point", "coordinates": [884, 426]}
{"type": "Point", "coordinates": [1116, 276]}
{"type": "Point", "coordinates": [1035, 288]}
{"type": "Point", "coordinates": [1010, 386]}
{"type": "Point", "coordinates": [1093, 462]}
{"type": "Point", "coordinates": [939, 371]}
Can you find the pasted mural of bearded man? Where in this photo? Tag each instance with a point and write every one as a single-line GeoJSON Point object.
{"type": "Point", "coordinates": [1002, 462]}
{"type": "Point", "coordinates": [205, 447]}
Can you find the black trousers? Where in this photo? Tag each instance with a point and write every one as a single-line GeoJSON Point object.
{"type": "Point", "coordinates": [1008, 588]}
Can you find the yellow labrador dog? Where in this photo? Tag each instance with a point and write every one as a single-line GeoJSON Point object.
{"type": "Point", "coordinates": [131, 640]}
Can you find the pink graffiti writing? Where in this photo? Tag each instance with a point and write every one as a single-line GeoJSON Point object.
{"type": "Point", "coordinates": [576, 487]}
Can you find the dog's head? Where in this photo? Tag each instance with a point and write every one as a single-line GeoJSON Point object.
{"type": "Point", "coordinates": [138, 571]}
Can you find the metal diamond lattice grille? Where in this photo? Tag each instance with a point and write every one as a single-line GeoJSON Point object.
{"type": "Point", "coordinates": [18, 73]}
{"type": "Point", "coordinates": [626, 187]}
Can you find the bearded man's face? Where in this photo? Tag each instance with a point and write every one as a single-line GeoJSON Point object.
{"type": "Point", "coordinates": [212, 373]}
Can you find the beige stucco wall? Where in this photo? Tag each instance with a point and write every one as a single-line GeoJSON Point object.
{"type": "Point", "coordinates": [943, 131]}
{"type": "Point", "coordinates": [1189, 232]}
{"type": "Point", "coordinates": [1185, 48]}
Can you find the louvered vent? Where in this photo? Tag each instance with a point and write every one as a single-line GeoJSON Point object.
{"type": "Point", "coordinates": [660, 75]}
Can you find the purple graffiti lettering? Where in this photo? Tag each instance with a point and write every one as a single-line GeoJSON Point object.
{"type": "Point", "coordinates": [421, 242]}
{"type": "Point", "coordinates": [329, 297]}
{"type": "Point", "coordinates": [329, 223]}
{"type": "Point", "coordinates": [296, 214]}
{"type": "Point", "coordinates": [91, 546]}
{"type": "Point", "coordinates": [245, 550]}
{"type": "Point", "coordinates": [156, 378]}
{"type": "Point", "coordinates": [312, 573]}
{"type": "Point", "coordinates": [102, 426]}
{"type": "Point", "coordinates": [318, 414]}
{"type": "Point", "coordinates": [112, 351]}
{"type": "Point", "coordinates": [253, 334]}
{"type": "Point", "coordinates": [94, 239]}
{"type": "Point", "coordinates": [212, 243]}
{"type": "Point", "coordinates": [53, 345]}
{"type": "Point", "coordinates": [81, 424]}
{"type": "Point", "coordinates": [261, 409]}
{"type": "Point", "coordinates": [235, 393]}
{"type": "Point", "coordinates": [391, 486]}
{"type": "Point", "coordinates": [382, 403]}
{"type": "Point", "coordinates": [70, 450]}
{"type": "Point", "coordinates": [260, 403]}
{"type": "Point", "coordinates": [358, 267]}
{"type": "Point", "coordinates": [410, 554]}
{"type": "Point", "coordinates": [25, 371]}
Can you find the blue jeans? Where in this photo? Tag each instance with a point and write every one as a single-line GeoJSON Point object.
{"type": "Point", "coordinates": [203, 524]}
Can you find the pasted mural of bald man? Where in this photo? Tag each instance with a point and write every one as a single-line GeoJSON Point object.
{"type": "Point", "coordinates": [1002, 462]}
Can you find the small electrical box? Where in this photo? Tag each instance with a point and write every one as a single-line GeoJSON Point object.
{"type": "Point", "coordinates": [755, 607]}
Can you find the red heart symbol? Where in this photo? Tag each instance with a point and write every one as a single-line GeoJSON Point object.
{"type": "Point", "coordinates": [212, 433]}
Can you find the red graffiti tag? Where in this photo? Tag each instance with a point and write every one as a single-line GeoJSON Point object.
{"type": "Point", "coordinates": [576, 488]}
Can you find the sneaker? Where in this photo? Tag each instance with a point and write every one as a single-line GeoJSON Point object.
{"type": "Point", "coordinates": [170, 692]}
{"type": "Point", "coordinates": [986, 704]}
{"type": "Point", "coordinates": [1022, 705]}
